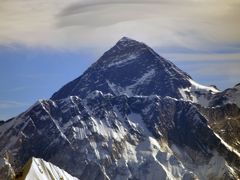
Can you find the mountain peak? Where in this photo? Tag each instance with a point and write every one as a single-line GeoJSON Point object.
{"type": "Point", "coordinates": [125, 49]}
{"type": "Point", "coordinates": [124, 38]}
{"type": "Point", "coordinates": [129, 67]}
{"type": "Point", "coordinates": [126, 42]}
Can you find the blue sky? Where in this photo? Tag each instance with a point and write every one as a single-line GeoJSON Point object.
{"type": "Point", "coordinates": [46, 43]}
{"type": "Point", "coordinates": [31, 74]}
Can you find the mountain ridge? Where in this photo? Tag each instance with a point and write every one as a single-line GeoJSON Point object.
{"type": "Point", "coordinates": [36, 167]}
{"type": "Point", "coordinates": [131, 67]}
{"type": "Point", "coordinates": [131, 115]}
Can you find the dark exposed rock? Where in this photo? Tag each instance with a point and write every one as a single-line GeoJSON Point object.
{"type": "Point", "coordinates": [122, 66]}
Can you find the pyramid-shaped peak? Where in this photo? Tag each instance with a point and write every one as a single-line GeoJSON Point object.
{"type": "Point", "coordinates": [127, 49]}
{"type": "Point", "coordinates": [129, 67]}
{"type": "Point", "coordinates": [126, 41]}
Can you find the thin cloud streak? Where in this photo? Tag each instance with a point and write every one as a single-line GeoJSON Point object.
{"type": "Point", "coordinates": [217, 69]}
{"type": "Point", "coordinates": [6, 104]}
{"type": "Point", "coordinates": [201, 57]}
{"type": "Point", "coordinates": [18, 89]}
{"type": "Point", "coordinates": [198, 25]}
{"type": "Point", "coordinates": [84, 6]}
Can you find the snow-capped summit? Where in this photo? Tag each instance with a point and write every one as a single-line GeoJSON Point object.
{"type": "Point", "coordinates": [126, 41]}
{"type": "Point", "coordinates": [131, 67]}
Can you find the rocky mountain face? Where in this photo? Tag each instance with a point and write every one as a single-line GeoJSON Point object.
{"type": "Point", "coordinates": [129, 67]}
{"type": "Point", "coordinates": [223, 114]}
{"type": "Point", "coordinates": [131, 115]}
{"type": "Point", "coordinates": [228, 96]}
{"type": "Point", "coordinates": [6, 170]}
{"type": "Point", "coordinates": [133, 68]}
{"type": "Point", "coordinates": [224, 120]}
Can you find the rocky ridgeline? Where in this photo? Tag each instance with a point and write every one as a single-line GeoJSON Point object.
{"type": "Point", "coordinates": [131, 115]}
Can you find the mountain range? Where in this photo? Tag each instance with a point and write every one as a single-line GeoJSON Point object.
{"type": "Point", "coordinates": [131, 115]}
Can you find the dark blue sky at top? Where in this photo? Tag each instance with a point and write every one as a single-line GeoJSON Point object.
{"type": "Point", "coordinates": [29, 74]}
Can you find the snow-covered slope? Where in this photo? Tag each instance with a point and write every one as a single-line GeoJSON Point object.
{"type": "Point", "coordinates": [198, 93]}
{"type": "Point", "coordinates": [119, 137]}
{"type": "Point", "coordinates": [38, 169]}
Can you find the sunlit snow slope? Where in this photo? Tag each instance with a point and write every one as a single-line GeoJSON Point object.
{"type": "Point", "coordinates": [38, 169]}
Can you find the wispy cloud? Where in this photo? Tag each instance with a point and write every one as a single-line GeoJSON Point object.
{"type": "Point", "coordinates": [9, 108]}
{"type": "Point", "coordinates": [197, 25]}
{"type": "Point", "coordinates": [228, 69]}
{"type": "Point", "coordinates": [200, 57]}
{"type": "Point", "coordinates": [17, 89]}
{"type": "Point", "coordinates": [223, 73]}
{"type": "Point", "coordinates": [7, 104]}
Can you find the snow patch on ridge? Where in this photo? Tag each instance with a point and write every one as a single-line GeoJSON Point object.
{"type": "Point", "coordinates": [198, 93]}
{"type": "Point", "coordinates": [123, 62]}
{"type": "Point", "coordinates": [128, 90]}
{"type": "Point", "coordinates": [40, 169]}
{"type": "Point", "coordinates": [55, 122]}
{"type": "Point", "coordinates": [231, 95]}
